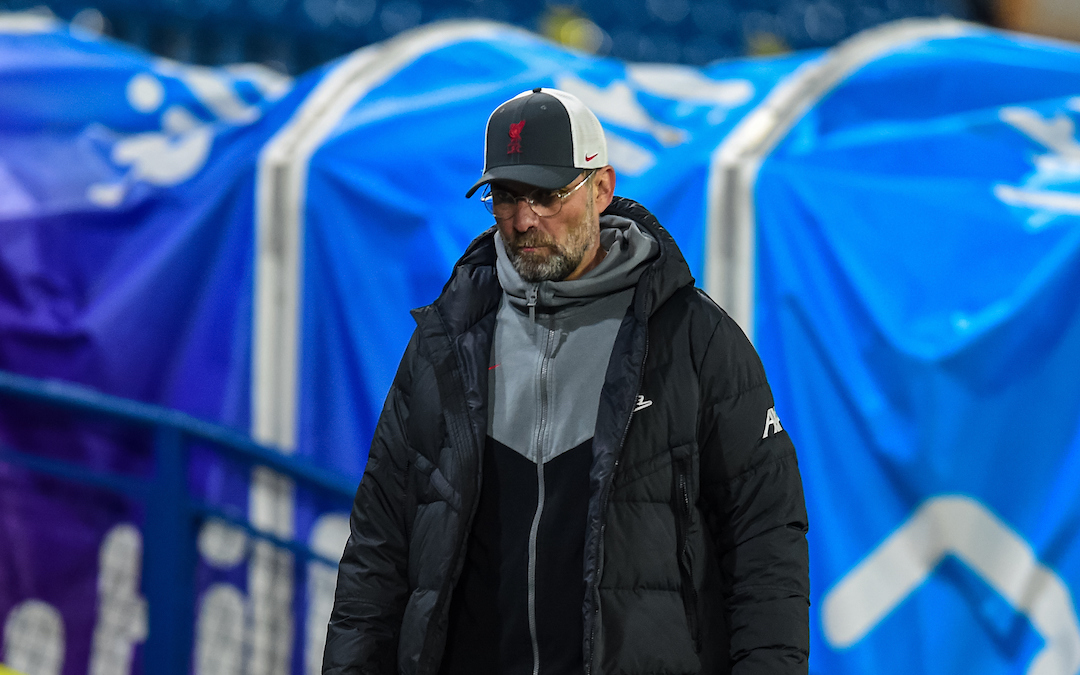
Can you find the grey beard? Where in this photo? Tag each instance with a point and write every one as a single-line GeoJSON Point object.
{"type": "Point", "coordinates": [555, 267]}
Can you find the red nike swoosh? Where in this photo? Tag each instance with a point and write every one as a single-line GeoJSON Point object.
{"type": "Point", "coordinates": [589, 158]}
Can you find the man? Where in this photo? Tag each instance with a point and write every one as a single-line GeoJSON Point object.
{"type": "Point", "coordinates": [578, 468]}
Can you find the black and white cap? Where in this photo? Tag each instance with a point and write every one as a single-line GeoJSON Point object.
{"type": "Point", "coordinates": [542, 137]}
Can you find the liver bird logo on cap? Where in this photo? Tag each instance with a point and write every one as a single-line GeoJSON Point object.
{"type": "Point", "coordinates": [515, 138]}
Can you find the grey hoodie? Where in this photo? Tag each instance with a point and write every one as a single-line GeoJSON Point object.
{"type": "Point", "coordinates": [552, 342]}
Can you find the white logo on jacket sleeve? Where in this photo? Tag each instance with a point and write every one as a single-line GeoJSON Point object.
{"type": "Point", "coordinates": [641, 403]}
{"type": "Point", "coordinates": [772, 423]}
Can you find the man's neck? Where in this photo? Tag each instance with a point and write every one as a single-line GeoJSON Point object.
{"type": "Point", "coordinates": [591, 260]}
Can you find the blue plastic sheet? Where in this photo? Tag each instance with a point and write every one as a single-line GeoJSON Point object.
{"type": "Point", "coordinates": [126, 249]}
{"type": "Point", "coordinates": [918, 311]}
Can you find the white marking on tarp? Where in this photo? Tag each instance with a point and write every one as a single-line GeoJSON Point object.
{"type": "Point", "coordinates": [1045, 191]}
{"type": "Point", "coordinates": [959, 526]}
{"type": "Point", "coordinates": [122, 611]}
{"type": "Point", "coordinates": [1050, 200]}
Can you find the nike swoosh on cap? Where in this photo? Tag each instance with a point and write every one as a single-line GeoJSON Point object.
{"type": "Point", "coordinates": [589, 158]}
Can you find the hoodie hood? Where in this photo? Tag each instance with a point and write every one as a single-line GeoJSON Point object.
{"type": "Point", "coordinates": [630, 250]}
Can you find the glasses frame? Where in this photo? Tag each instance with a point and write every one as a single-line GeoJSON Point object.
{"type": "Point", "coordinates": [533, 197]}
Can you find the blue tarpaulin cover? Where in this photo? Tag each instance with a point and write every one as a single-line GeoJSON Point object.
{"type": "Point", "coordinates": [918, 310]}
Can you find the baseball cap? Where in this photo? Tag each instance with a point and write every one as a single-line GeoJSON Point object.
{"type": "Point", "coordinates": [542, 137]}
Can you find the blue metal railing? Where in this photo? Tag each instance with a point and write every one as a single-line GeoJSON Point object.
{"type": "Point", "coordinates": [168, 561]}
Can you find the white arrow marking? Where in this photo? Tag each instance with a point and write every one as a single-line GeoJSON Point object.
{"type": "Point", "coordinates": [1056, 134]}
{"type": "Point", "coordinates": [962, 527]}
{"type": "Point", "coordinates": [1062, 202]}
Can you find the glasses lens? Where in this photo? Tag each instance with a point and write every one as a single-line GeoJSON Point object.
{"type": "Point", "coordinates": [545, 202]}
{"type": "Point", "coordinates": [503, 204]}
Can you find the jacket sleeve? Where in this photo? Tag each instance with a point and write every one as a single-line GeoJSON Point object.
{"type": "Point", "coordinates": [752, 500]}
{"type": "Point", "coordinates": [372, 584]}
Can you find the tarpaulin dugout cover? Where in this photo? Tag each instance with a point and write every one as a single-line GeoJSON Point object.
{"type": "Point", "coordinates": [781, 179]}
{"type": "Point", "coordinates": [126, 202]}
{"type": "Point", "coordinates": [917, 304]}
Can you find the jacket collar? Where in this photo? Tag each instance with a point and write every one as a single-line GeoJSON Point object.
{"type": "Point", "coordinates": [668, 273]}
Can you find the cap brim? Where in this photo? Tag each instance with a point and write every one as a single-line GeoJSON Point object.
{"type": "Point", "coordinates": [546, 177]}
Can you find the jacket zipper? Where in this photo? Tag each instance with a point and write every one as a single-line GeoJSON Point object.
{"type": "Point", "coordinates": [689, 592]}
{"type": "Point", "coordinates": [540, 494]}
{"type": "Point", "coordinates": [530, 301]}
{"type": "Point", "coordinates": [603, 508]}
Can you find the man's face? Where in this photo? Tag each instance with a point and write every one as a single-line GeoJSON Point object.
{"type": "Point", "coordinates": [551, 248]}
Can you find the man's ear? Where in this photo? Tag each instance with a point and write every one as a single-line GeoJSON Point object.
{"type": "Point", "coordinates": [603, 187]}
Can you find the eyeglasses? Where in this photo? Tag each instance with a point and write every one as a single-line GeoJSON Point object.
{"type": "Point", "coordinates": [544, 203]}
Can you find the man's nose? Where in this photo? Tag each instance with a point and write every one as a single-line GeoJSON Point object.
{"type": "Point", "coordinates": [525, 218]}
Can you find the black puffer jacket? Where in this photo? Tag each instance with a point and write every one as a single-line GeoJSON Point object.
{"type": "Point", "coordinates": [695, 552]}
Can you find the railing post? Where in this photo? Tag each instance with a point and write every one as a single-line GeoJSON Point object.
{"type": "Point", "coordinates": [169, 560]}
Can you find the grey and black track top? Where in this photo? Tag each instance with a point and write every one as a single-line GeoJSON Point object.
{"type": "Point", "coordinates": [693, 554]}
{"type": "Point", "coordinates": [517, 606]}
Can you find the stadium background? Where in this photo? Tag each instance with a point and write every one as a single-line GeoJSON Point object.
{"type": "Point", "coordinates": [295, 35]}
{"type": "Point", "coordinates": [230, 625]}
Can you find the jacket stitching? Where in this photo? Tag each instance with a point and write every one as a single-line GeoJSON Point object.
{"type": "Point", "coordinates": [779, 459]}
{"type": "Point", "coordinates": [763, 382]}
{"type": "Point", "coordinates": [659, 502]}
{"type": "Point", "coordinates": [629, 478]}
